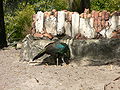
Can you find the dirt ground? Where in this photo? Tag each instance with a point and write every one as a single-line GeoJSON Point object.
{"type": "Point", "coordinates": [15, 75]}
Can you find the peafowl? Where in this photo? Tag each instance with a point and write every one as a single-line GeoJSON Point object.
{"type": "Point", "coordinates": [58, 50]}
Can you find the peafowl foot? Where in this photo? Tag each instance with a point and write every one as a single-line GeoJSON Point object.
{"type": "Point", "coordinates": [57, 61]}
{"type": "Point", "coordinates": [63, 64]}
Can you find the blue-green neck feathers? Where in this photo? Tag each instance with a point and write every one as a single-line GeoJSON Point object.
{"type": "Point", "coordinates": [60, 46]}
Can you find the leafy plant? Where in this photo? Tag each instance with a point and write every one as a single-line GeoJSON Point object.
{"type": "Point", "coordinates": [19, 25]}
{"type": "Point", "coordinates": [110, 5]}
{"type": "Point", "coordinates": [47, 5]}
{"type": "Point", "coordinates": [18, 13]}
{"type": "Point", "coordinates": [18, 22]}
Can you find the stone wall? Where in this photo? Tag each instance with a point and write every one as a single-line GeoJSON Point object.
{"type": "Point", "coordinates": [83, 52]}
{"type": "Point", "coordinates": [93, 38]}
{"type": "Point", "coordinates": [97, 24]}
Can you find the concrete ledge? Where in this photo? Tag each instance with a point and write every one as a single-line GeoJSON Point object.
{"type": "Point", "coordinates": [83, 52]}
{"type": "Point", "coordinates": [96, 52]}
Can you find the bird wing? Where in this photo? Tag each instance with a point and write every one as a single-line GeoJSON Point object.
{"type": "Point", "coordinates": [39, 54]}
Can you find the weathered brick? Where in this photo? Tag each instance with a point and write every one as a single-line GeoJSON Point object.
{"type": "Point", "coordinates": [107, 15]}
{"type": "Point", "coordinates": [87, 11]}
{"type": "Point", "coordinates": [99, 28]}
{"type": "Point", "coordinates": [93, 13]}
{"type": "Point", "coordinates": [82, 15]}
{"type": "Point", "coordinates": [54, 10]}
{"type": "Point", "coordinates": [89, 16]}
{"type": "Point", "coordinates": [38, 35]}
{"type": "Point", "coordinates": [100, 14]}
{"type": "Point", "coordinates": [96, 14]}
{"type": "Point", "coordinates": [99, 21]}
{"type": "Point", "coordinates": [103, 23]}
{"type": "Point", "coordinates": [34, 17]}
{"type": "Point", "coordinates": [103, 14]}
{"type": "Point", "coordinates": [85, 15]}
{"type": "Point", "coordinates": [106, 23]}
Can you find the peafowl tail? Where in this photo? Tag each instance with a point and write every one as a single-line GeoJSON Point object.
{"type": "Point", "coordinates": [40, 54]}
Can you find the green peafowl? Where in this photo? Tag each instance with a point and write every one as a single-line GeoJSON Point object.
{"type": "Point", "coordinates": [58, 50]}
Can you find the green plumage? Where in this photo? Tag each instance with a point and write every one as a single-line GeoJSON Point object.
{"type": "Point", "coordinates": [57, 50]}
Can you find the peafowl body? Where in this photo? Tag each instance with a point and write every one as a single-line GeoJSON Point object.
{"type": "Point", "coordinates": [58, 50]}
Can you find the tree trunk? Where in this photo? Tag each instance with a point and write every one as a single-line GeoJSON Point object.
{"type": "Point", "coordinates": [84, 4]}
{"type": "Point", "coordinates": [79, 5]}
{"type": "Point", "coordinates": [3, 42]}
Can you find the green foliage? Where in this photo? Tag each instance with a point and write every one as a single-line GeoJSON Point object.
{"type": "Point", "coordinates": [47, 5]}
{"type": "Point", "coordinates": [17, 26]}
{"type": "Point", "coordinates": [44, 5]}
{"type": "Point", "coordinates": [60, 4]}
{"type": "Point", "coordinates": [18, 17]}
{"type": "Point", "coordinates": [18, 13]}
{"type": "Point", "coordinates": [110, 5]}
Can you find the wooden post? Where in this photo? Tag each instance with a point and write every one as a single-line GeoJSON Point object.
{"type": "Point", "coordinates": [39, 22]}
{"type": "Point", "coordinates": [75, 23]}
{"type": "Point", "coordinates": [61, 22]}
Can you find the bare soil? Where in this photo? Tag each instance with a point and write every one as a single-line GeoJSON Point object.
{"type": "Point", "coordinates": [15, 75]}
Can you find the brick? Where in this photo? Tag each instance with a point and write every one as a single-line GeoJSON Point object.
{"type": "Point", "coordinates": [33, 24]}
{"type": "Point", "coordinates": [64, 10]}
{"type": "Point", "coordinates": [34, 17]}
{"type": "Point", "coordinates": [56, 14]}
{"type": "Point", "coordinates": [116, 13]}
{"type": "Point", "coordinates": [99, 21]}
{"type": "Point", "coordinates": [54, 10]}
{"type": "Point", "coordinates": [95, 22]}
{"type": "Point", "coordinates": [85, 15]}
{"type": "Point", "coordinates": [93, 13]}
{"type": "Point", "coordinates": [103, 23]}
{"type": "Point", "coordinates": [99, 28]}
{"type": "Point", "coordinates": [115, 35]}
{"type": "Point", "coordinates": [86, 11]}
{"type": "Point", "coordinates": [48, 35]}
{"type": "Point", "coordinates": [100, 14]}
{"type": "Point", "coordinates": [89, 15]}
{"type": "Point", "coordinates": [49, 13]}
{"type": "Point", "coordinates": [70, 16]}
{"type": "Point", "coordinates": [107, 15]}
{"type": "Point", "coordinates": [106, 23]}
{"type": "Point", "coordinates": [38, 35]}
{"type": "Point", "coordinates": [96, 29]}
{"type": "Point", "coordinates": [96, 14]}
{"type": "Point", "coordinates": [45, 14]}
{"type": "Point", "coordinates": [33, 31]}
{"type": "Point", "coordinates": [82, 15]}
{"type": "Point", "coordinates": [103, 15]}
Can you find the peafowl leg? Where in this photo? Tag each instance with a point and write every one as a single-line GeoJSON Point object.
{"type": "Point", "coordinates": [63, 59]}
{"type": "Point", "coordinates": [57, 61]}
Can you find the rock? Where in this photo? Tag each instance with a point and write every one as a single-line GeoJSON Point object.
{"type": "Point", "coordinates": [83, 52]}
{"type": "Point", "coordinates": [114, 85]}
{"type": "Point", "coordinates": [31, 47]}
{"type": "Point", "coordinates": [19, 45]}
